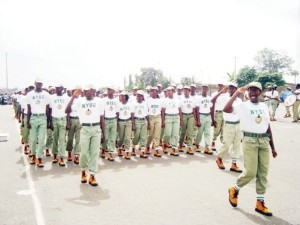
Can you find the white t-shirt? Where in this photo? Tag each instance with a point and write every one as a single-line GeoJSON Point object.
{"type": "Point", "coordinates": [204, 104]}
{"type": "Point", "coordinates": [18, 98]}
{"type": "Point", "coordinates": [58, 105]}
{"type": "Point", "coordinates": [171, 105]}
{"type": "Point", "coordinates": [219, 105]}
{"type": "Point", "coordinates": [111, 107]}
{"type": "Point", "coordinates": [140, 109]}
{"type": "Point", "coordinates": [231, 117]}
{"type": "Point", "coordinates": [74, 112]}
{"type": "Point", "coordinates": [23, 103]}
{"type": "Point", "coordinates": [267, 95]}
{"type": "Point", "coordinates": [132, 99]}
{"type": "Point", "coordinates": [89, 111]}
{"type": "Point", "coordinates": [154, 106]}
{"type": "Point", "coordinates": [38, 101]}
{"type": "Point", "coordinates": [125, 110]}
{"type": "Point", "coordinates": [274, 94]}
{"type": "Point", "coordinates": [249, 120]}
{"type": "Point", "coordinates": [187, 104]}
{"type": "Point", "coordinates": [179, 97]}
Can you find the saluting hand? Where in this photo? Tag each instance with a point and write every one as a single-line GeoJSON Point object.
{"type": "Point", "coordinates": [77, 93]}
{"type": "Point", "coordinates": [274, 153]}
{"type": "Point", "coordinates": [242, 90]}
{"type": "Point", "coordinates": [225, 89]}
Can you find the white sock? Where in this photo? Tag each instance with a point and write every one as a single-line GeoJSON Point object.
{"type": "Point", "coordinates": [260, 197]}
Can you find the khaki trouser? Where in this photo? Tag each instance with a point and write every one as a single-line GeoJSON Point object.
{"type": "Point", "coordinates": [59, 136]}
{"type": "Point", "coordinates": [90, 137]}
{"type": "Point", "coordinates": [110, 135]}
{"type": "Point", "coordinates": [155, 130]}
{"type": "Point", "coordinates": [205, 129]}
{"type": "Point", "coordinates": [274, 105]}
{"type": "Point", "coordinates": [140, 133]}
{"type": "Point", "coordinates": [162, 133]}
{"type": "Point", "coordinates": [124, 132]}
{"type": "Point", "coordinates": [267, 102]}
{"type": "Point", "coordinates": [231, 138]}
{"type": "Point", "coordinates": [49, 140]}
{"type": "Point", "coordinates": [74, 133]}
{"type": "Point", "coordinates": [37, 134]}
{"type": "Point", "coordinates": [187, 129]}
{"type": "Point", "coordinates": [218, 130]}
{"type": "Point", "coordinates": [172, 126]}
{"type": "Point", "coordinates": [25, 131]}
{"type": "Point", "coordinates": [256, 163]}
{"type": "Point", "coordinates": [287, 109]}
{"type": "Point", "coordinates": [295, 110]}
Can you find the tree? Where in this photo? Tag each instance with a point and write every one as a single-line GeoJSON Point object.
{"type": "Point", "coordinates": [268, 60]}
{"type": "Point", "coordinates": [189, 80]}
{"type": "Point", "coordinates": [151, 76]}
{"type": "Point", "coordinates": [246, 75]}
{"type": "Point", "coordinates": [295, 74]}
{"type": "Point", "coordinates": [268, 79]}
{"type": "Point", "coordinates": [231, 77]}
{"type": "Point", "coordinates": [130, 83]}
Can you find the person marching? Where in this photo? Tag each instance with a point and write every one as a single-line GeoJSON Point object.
{"type": "Point", "coordinates": [255, 124]}
{"type": "Point", "coordinates": [172, 121]}
{"type": "Point", "coordinates": [155, 121]}
{"type": "Point", "coordinates": [125, 124]}
{"type": "Point", "coordinates": [188, 120]}
{"type": "Point", "coordinates": [111, 108]}
{"type": "Point", "coordinates": [204, 120]}
{"type": "Point", "coordinates": [91, 116]}
{"type": "Point", "coordinates": [296, 104]}
{"type": "Point", "coordinates": [38, 119]}
{"type": "Point", "coordinates": [274, 101]}
{"type": "Point", "coordinates": [283, 96]}
{"type": "Point", "coordinates": [24, 120]}
{"type": "Point", "coordinates": [217, 116]}
{"type": "Point", "coordinates": [231, 132]}
{"type": "Point", "coordinates": [58, 123]}
{"type": "Point", "coordinates": [49, 139]}
{"type": "Point", "coordinates": [73, 128]}
{"type": "Point", "coordinates": [141, 122]}
{"type": "Point", "coordinates": [267, 96]}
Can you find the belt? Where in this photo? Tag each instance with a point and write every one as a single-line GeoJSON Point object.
{"type": "Point", "coordinates": [187, 114]}
{"type": "Point", "coordinates": [219, 111]}
{"type": "Point", "coordinates": [25, 114]}
{"type": "Point", "coordinates": [60, 118]}
{"type": "Point", "coordinates": [204, 114]}
{"type": "Point", "coordinates": [74, 117]}
{"type": "Point", "coordinates": [112, 118]}
{"type": "Point", "coordinates": [90, 124]}
{"type": "Point", "coordinates": [136, 118]}
{"type": "Point", "coordinates": [249, 134]}
{"type": "Point", "coordinates": [124, 120]}
{"type": "Point", "coordinates": [230, 122]}
{"type": "Point", "coordinates": [171, 114]}
{"type": "Point", "coordinates": [38, 114]}
{"type": "Point", "coordinates": [155, 115]}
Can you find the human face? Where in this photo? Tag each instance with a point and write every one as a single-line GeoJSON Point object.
{"type": "Point", "coordinates": [220, 87]}
{"type": "Point", "coordinates": [193, 90]}
{"type": "Point", "coordinates": [59, 90]}
{"type": "Point", "coordinates": [89, 94]}
{"type": "Point", "coordinates": [38, 86]}
{"type": "Point", "coordinates": [110, 93]}
{"type": "Point", "coordinates": [186, 92]}
{"type": "Point", "coordinates": [153, 93]}
{"type": "Point", "coordinates": [170, 93]}
{"type": "Point", "coordinates": [254, 93]}
{"type": "Point", "coordinates": [204, 90]}
{"type": "Point", "coordinates": [231, 90]}
{"type": "Point", "coordinates": [139, 98]}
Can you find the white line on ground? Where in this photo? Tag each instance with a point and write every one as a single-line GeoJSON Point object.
{"type": "Point", "coordinates": [36, 203]}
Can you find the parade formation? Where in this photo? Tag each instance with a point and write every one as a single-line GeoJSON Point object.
{"type": "Point", "coordinates": [80, 124]}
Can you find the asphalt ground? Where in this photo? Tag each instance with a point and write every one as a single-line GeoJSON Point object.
{"type": "Point", "coordinates": [168, 190]}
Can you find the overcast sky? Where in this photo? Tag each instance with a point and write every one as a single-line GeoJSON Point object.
{"type": "Point", "coordinates": [101, 41]}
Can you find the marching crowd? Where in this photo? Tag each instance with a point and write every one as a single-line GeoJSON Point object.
{"type": "Point", "coordinates": [81, 125]}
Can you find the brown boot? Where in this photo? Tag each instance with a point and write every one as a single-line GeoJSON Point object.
{"type": "Point", "coordinates": [133, 153]}
{"type": "Point", "coordinates": [235, 168]}
{"type": "Point", "coordinates": [110, 157]}
{"type": "Point", "coordinates": [165, 150]}
{"type": "Point", "coordinates": [55, 159]}
{"type": "Point", "coordinates": [127, 155]}
{"type": "Point", "coordinates": [33, 160]}
{"type": "Point", "coordinates": [233, 196]}
{"type": "Point", "coordinates": [197, 148]}
{"type": "Point", "coordinates": [173, 152]}
{"type": "Point", "coordinates": [47, 152]}
{"type": "Point", "coordinates": [40, 163]}
{"type": "Point", "coordinates": [26, 149]}
{"type": "Point", "coordinates": [143, 155]}
{"type": "Point", "coordinates": [120, 152]}
{"type": "Point", "coordinates": [220, 163]}
{"type": "Point", "coordinates": [102, 154]}
{"type": "Point", "coordinates": [76, 159]}
{"type": "Point", "coordinates": [92, 181]}
{"type": "Point", "coordinates": [156, 153]}
{"type": "Point", "coordinates": [189, 151]}
{"type": "Point", "coordinates": [69, 156]}
{"type": "Point", "coordinates": [208, 150]}
{"type": "Point", "coordinates": [213, 145]}
{"type": "Point", "coordinates": [61, 162]}
{"type": "Point", "coordinates": [148, 151]}
{"type": "Point", "coordinates": [262, 209]}
{"type": "Point", "coordinates": [180, 148]}
{"type": "Point", "coordinates": [83, 177]}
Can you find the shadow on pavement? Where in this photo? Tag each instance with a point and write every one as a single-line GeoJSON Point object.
{"type": "Point", "coordinates": [265, 221]}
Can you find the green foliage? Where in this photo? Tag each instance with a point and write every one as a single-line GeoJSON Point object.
{"type": "Point", "coordinates": [130, 83]}
{"type": "Point", "coordinates": [231, 77]}
{"type": "Point", "coordinates": [268, 60]}
{"type": "Point", "coordinates": [151, 76]}
{"type": "Point", "coordinates": [268, 79]}
{"type": "Point", "coordinates": [189, 80]}
{"type": "Point", "coordinates": [246, 75]}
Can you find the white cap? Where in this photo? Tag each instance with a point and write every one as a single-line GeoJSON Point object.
{"type": "Point", "coordinates": [59, 85]}
{"type": "Point", "coordinates": [154, 88]}
{"type": "Point", "coordinates": [179, 86]}
{"type": "Point", "coordinates": [232, 84]}
{"type": "Point", "coordinates": [39, 80]}
{"type": "Point", "coordinates": [193, 85]}
{"type": "Point", "coordinates": [187, 87]}
{"type": "Point", "coordinates": [140, 92]}
{"type": "Point", "coordinates": [255, 84]}
{"type": "Point", "coordinates": [170, 88]}
{"type": "Point", "coordinates": [89, 87]}
{"type": "Point", "coordinates": [123, 93]}
{"type": "Point", "coordinates": [158, 85]}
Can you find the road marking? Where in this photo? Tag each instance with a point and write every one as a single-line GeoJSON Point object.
{"type": "Point", "coordinates": [36, 202]}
